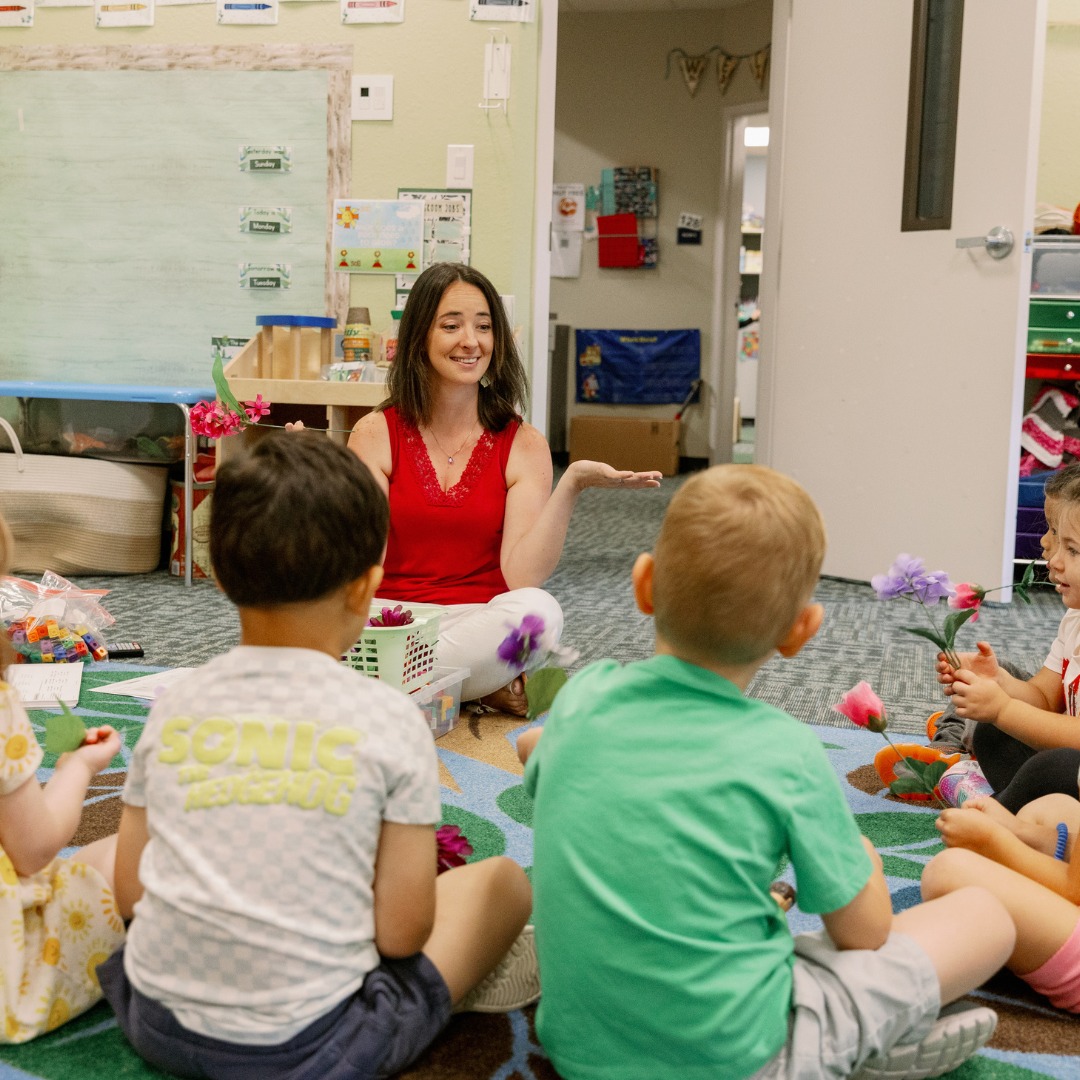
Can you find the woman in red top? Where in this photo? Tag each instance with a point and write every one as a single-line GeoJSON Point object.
{"type": "Point", "coordinates": [474, 523]}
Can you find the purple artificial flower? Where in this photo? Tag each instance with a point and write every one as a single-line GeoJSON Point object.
{"type": "Point", "coordinates": [908, 576]}
{"type": "Point", "coordinates": [519, 645]}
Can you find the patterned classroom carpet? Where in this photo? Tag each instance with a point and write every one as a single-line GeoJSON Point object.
{"type": "Point", "coordinates": [482, 794]}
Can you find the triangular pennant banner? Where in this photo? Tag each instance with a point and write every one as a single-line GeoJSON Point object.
{"type": "Point", "coordinates": [759, 65]}
{"type": "Point", "coordinates": [725, 68]}
{"type": "Point", "coordinates": [693, 67]}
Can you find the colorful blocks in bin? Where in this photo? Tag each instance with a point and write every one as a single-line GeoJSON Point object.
{"type": "Point", "coordinates": [440, 700]}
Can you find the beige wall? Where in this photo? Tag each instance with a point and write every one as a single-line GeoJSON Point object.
{"type": "Point", "coordinates": [1059, 140]}
{"type": "Point", "coordinates": [436, 57]}
{"type": "Point", "coordinates": [614, 107]}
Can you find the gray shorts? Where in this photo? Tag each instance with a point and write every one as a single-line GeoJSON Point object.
{"type": "Point", "coordinates": [375, 1033]}
{"type": "Point", "coordinates": [851, 1005]}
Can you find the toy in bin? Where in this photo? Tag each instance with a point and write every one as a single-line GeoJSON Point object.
{"type": "Point", "coordinates": [440, 700]}
{"type": "Point", "coordinates": [53, 622]}
{"type": "Point", "coordinates": [398, 645]}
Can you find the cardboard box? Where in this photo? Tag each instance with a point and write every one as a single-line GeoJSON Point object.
{"type": "Point", "coordinates": [638, 443]}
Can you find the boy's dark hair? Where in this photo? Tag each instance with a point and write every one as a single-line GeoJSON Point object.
{"type": "Point", "coordinates": [408, 382]}
{"type": "Point", "coordinates": [293, 519]}
{"type": "Point", "coordinates": [1064, 484]}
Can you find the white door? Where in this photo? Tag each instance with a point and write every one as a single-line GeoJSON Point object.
{"type": "Point", "coordinates": [891, 377]}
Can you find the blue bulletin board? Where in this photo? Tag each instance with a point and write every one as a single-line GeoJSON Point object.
{"type": "Point", "coordinates": [636, 367]}
{"type": "Point", "coordinates": [123, 187]}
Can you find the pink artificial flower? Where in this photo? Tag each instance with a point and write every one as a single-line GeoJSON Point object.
{"type": "Point", "coordinates": [453, 847]}
{"type": "Point", "coordinates": [395, 616]}
{"type": "Point", "coordinates": [863, 707]}
{"type": "Point", "coordinates": [257, 409]}
{"type": "Point", "coordinates": [968, 596]}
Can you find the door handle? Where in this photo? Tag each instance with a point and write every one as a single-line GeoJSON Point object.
{"type": "Point", "coordinates": [998, 242]}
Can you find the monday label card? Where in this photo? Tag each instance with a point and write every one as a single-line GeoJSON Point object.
{"type": "Point", "coordinates": [266, 219]}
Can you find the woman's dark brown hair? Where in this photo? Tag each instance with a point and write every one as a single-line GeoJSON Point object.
{"type": "Point", "coordinates": [409, 382]}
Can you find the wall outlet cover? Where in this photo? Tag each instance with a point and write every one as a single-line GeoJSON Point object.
{"type": "Point", "coordinates": [373, 97]}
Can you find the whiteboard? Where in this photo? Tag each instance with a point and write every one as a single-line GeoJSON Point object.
{"type": "Point", "coordinates": [120, 199]}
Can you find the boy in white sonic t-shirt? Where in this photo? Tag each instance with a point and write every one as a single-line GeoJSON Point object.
{"type": "Point", "coordinates": [277, 844]}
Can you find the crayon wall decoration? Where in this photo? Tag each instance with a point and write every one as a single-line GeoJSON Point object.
{"type": "Point", "coordinates": [109, 13]}
{"type": "Point", "coordinates": [261, 13]}
{"type": "Point", "coordinates": [21, 14]}
{"type": "Point", "coordinates": [503, 10]}
{"type": "Point", "coordinates": [369, 11]}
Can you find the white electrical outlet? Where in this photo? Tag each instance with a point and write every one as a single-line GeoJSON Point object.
{"type": "Point", "coordinates": [459, 166]}
{"type": "Point", "coordinates": [373, 97]}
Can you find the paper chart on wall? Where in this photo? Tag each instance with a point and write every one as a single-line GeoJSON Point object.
{"type": "Point", "coordinates": [447, 223]}
{"type": "Point", "coordinates": [378, 236]}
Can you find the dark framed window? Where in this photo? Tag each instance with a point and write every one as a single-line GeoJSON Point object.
{"type": "Point", "coordinates": [933, 96]}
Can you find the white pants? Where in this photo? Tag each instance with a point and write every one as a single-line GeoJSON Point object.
{"type": "Point", "coordinates": [470, 636]}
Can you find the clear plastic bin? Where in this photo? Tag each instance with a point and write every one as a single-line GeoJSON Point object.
{"type": "Point", "coordinates": [441, 699]}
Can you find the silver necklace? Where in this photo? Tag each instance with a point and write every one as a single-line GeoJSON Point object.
{"type": "Point", "coordinates": [450, 457]}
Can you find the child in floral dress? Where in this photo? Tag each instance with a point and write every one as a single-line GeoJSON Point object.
{"type": "Point", "coordinates": [60, 913]}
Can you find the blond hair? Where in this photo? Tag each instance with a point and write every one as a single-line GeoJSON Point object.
{"type": "Point", "coordinates": [738, 555]}
{"type": "Point", "coordinates": [7, 555]}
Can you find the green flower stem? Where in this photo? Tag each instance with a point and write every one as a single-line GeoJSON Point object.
{"type": "Point", "coordinates": [950, 653]}
{"type": "Point", "coordinates": [914, 772]}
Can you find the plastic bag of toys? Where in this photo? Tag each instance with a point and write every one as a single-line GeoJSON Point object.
{"type": "Point", "coordinates": [53, 621]}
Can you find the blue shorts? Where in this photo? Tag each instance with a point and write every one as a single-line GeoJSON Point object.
{"type": "Point", "coordinates": [388, 1023]}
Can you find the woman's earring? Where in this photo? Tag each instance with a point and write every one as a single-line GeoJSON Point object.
{"type": "Point", "coordinates": [485, 382]}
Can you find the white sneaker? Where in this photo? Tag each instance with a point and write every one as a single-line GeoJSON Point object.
{"type": "Point", "coordinates": [957, 1034]}
{"type": "Point", "coordinates": [513, 984]}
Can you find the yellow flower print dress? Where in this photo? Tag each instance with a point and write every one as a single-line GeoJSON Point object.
{"type": "Point", "coordinates": [58, 924]}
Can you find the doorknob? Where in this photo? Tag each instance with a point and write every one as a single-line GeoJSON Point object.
{"type": "Point", "coordinates": [998, 242]}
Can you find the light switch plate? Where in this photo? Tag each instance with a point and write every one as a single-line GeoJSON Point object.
{"type": "Point", "coordinates": [459, 165]}
{"type": "Point", "coordinates": [373, 97]}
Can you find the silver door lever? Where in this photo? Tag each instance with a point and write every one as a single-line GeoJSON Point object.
{"type": "Point", "coordinates": [998, 242]}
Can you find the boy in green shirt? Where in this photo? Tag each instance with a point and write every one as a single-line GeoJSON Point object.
{"type": "Point", "coordinates": [664, 800]}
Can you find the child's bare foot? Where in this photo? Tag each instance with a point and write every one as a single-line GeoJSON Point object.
{"type": "Point", "coordinates": [509, 699]}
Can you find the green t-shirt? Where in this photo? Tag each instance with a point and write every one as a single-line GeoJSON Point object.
{"type": "Point", "coordinates": [664, 802]}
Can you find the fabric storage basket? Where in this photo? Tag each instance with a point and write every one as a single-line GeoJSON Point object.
{"type": "Point", "coordinates": [77, 516]}
{"type": "Point", "coordinates": [402, 656]}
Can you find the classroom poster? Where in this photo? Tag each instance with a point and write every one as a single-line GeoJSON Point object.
{"type": "Point", "coordinates": [378, 236]}
{"type": "Point", "coordinates": [447, 223]}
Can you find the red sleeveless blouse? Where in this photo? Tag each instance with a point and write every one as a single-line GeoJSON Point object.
{"type": "Point", "coordinates": [444, 546]}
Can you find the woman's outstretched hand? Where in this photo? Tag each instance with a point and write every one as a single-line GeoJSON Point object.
{"type": "Point", "coordinates": [587, 474]}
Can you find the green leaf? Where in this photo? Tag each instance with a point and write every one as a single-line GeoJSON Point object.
{"type": "Point", "coordinates": [908, 785]}
{"type": "Point", "coordinates": [64, 732]}
{"type": "Point", "coordinates": [1022, 593]}
{"type": "Point", "coordinates": [541, 688]}
{"type": "Point", "coordinates": [930, 635]}
{"type": "Point", "coordinates": [954, 620]}
{"type": "Point", "coordinates": [224, 392]}
{"type": "Point", "coordinates": [1029, 576]}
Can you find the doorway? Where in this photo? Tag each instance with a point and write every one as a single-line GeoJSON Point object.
{"type": "Point", "coordinates": [748, 329]}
